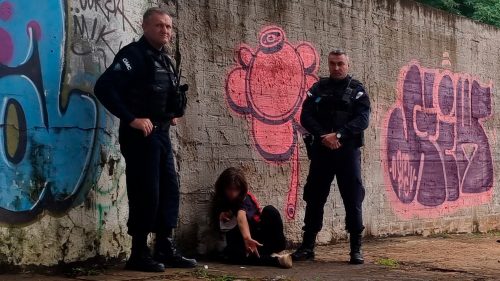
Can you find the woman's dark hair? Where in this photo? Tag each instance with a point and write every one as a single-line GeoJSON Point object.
{"type": "Point", "coordinates": [230, 177]}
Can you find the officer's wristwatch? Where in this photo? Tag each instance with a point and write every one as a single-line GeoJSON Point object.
{"type": "Point", "coordinates": [339, 135]}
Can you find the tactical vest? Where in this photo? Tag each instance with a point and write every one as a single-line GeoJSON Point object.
{"type": "Point", "coordinates": [334, 106]}
{"type": "Point", "coordinates": [152, 95]}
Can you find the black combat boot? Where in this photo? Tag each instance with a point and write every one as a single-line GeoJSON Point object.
{"type": "Point", "coordinates": [166, 253]}
{"type": "Point", "coordinates": [141, 259]}
{"type": "Point", "coordinates": [356, 255]}
{"type": "Point", "coordinates": [306, 250]}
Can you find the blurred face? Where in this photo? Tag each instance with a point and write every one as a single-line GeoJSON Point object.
{"type": "Point", "coordinates": [232, 192]}
{"type": "Point", "coordinates": [338, 66]}
{"type": "Point", "coordinates": [158, 29]}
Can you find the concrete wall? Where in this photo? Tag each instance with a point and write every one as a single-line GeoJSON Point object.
{"type": "Point", "coordinates": [62, 192]}
{"type": "Point", "coordinates": [429, 162]}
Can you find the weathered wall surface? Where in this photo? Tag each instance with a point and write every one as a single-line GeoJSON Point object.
{"type": "Point", "coordinates": [62, 195]}
{"type": "Point", "coordinates": [429, 161]}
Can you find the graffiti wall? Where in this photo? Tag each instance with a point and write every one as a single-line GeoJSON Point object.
{"type": "Point", "coordinates": [55, 139]}
{"type": "Point", "coordinates": [48, 136]}
{"type": "Point", "coordinates": [268, 87]}
{"type": "Point", "coordinates": [98, 26]}
{"type": "Point", "coordinates": [438, 158]}
{"type": "Point", "coordinates": [428, 165]}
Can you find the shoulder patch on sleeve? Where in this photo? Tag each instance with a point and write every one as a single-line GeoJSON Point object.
{"type": "Point", "coordinates": [126, 63]}
{"type": "Point", "coordinates": [122, 64]}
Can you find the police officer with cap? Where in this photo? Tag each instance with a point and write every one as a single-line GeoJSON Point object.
{"type": "Point", "coordinates": [335, 113]}
{"type": "Point", "coordinates": [142, 89]}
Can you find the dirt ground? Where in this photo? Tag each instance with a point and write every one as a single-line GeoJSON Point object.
{"type": "Point", "coordinates": [442, 257]}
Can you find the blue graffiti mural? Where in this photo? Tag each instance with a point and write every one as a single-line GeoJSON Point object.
{"type": "Point", "coordinates": [47, 133]}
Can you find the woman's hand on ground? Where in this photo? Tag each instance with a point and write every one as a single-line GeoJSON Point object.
{"type": "Point", "coordinates": [251, 247]}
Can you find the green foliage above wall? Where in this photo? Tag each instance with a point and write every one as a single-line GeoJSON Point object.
{"type": "Point", "coordinates": [486, 11]}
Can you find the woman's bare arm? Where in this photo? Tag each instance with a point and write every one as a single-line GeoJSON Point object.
{"type": "Point", "coordinates": [250, 244]}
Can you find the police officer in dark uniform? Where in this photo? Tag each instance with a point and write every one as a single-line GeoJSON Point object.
{"type": "Point", "coordinates": [335, 113]}
{"type": "Point", "coordinates": [141, 88]}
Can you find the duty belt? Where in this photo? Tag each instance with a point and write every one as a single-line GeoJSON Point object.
{"type": "Point", "coordinates": [161, 125]}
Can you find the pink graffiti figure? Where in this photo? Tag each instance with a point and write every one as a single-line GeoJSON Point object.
{"type": "Point", "coordinates": [268, 87]}
{"type": "Point", "coordinates": [438, 156]}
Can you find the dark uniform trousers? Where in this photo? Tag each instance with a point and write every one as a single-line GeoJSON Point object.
{"type": "Point", "coordinates": [268, 231]}
{"type": "Point", "coordinates": [152, 184]}
{"type": "Point", "coordinates": [326, 164]}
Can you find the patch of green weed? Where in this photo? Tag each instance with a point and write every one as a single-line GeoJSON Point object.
{"type": "Point", "coordinates": [202, 273]}
{"type": "Point", "coordinates": [388, 262]}
{"type": "Point", "coordinates": [440, 235]}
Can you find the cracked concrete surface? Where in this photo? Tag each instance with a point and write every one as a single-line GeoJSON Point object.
{"type": "Point", "coordinates": [444, 257]}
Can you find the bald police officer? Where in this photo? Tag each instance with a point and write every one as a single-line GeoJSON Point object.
{"type": "Point", "coordinates": [335, 112]}
{"type": "Point", "coordinates": [141, 88]}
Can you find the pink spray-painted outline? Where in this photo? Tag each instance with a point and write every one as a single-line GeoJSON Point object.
{"type": "Point", "coordinates": [415, 209]}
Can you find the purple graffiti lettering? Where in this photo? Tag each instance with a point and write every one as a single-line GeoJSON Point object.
{"type": "Point", "coordinates": [437, 149]}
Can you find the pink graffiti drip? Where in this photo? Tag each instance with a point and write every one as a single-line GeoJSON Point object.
{"type": "Point", "coordinates": [294, 183]}
{"type": "Point", "coordinates": [268, 87]}
{"type": "Point", "coordinates": [437, 158]}
{"type": "Point", "coordinates": [34, 26]}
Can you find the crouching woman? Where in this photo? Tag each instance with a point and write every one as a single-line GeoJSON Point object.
{"type": "Point", "coordinates": [253, 235]}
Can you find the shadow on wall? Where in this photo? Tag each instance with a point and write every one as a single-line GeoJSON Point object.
{"type": "Point", "coordinates": [48, 134]}
{"type": "Point", "coordinates": [437, 158]}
